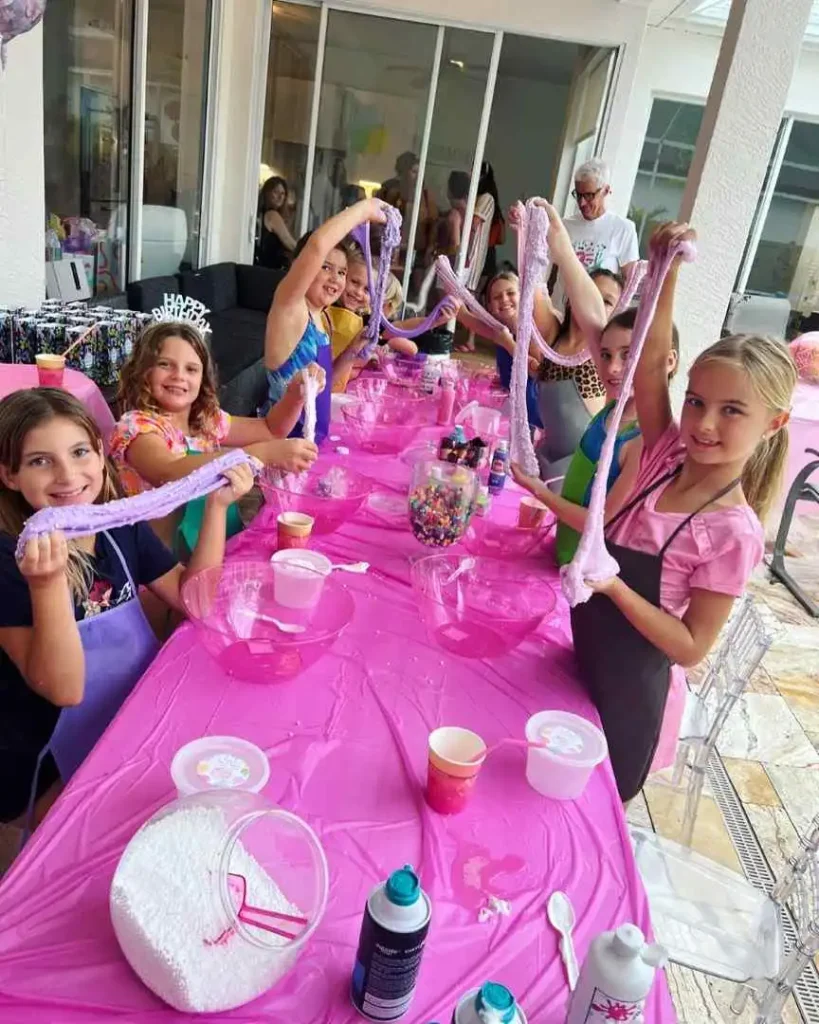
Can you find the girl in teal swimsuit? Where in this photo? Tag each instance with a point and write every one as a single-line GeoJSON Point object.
{"type": "Point", "coordinates": [298, 332]}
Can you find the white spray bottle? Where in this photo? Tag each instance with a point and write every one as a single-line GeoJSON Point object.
{"type": "Point", "coordinates": [616, 977]}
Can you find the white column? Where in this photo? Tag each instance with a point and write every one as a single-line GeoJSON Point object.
{"type": "Point", "coordinates": [756, 62]}
{"type": "Point", "coordinates": [22, 180]}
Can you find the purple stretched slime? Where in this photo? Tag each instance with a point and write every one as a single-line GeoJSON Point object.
{"type": "Point", "coordinates": [390, 240]}
{"type": "Point", "coordinates": [592, 560]}
{"type": "Point", "coordinates": [84, 520]}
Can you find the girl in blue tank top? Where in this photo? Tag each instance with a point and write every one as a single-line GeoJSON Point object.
{"type": "Point", "coordinates": [298, 332]}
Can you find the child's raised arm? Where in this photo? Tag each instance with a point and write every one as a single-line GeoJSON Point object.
{"type": "Point", "coordinates": [582, 293]}
{"type": "Point", "coordinates": [287, 317]}
{"type": "Point", "coordinates": [651, 393]}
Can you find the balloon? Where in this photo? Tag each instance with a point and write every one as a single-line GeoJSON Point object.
{"type": "Point", "coordinates": [17, 17]}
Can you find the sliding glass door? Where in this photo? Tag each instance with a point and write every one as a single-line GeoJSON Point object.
{"type": "Point", "coordinates": [362, 104]}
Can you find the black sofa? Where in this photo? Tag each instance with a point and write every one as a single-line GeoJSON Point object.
{"type": "Point", "coordinates": [238, 297]}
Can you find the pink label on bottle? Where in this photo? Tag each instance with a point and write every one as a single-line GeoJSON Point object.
{"type": "Point", "coordinates": [605, 1008]}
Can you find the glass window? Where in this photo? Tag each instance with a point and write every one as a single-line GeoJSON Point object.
{"type": "Point", "coordinates": [373, 104]}
{"type": "Point", "coordinates": [786, 261]}
{"type": "Point", "coordinates": [451, 153]}
{"type": "Point", "coordinates": [175, 94]}
{"type": "Point", "coordinates": [86, 102]}
{"type": "Point", "coordinates": [668, 150]}
{"type": "Point", "coordinates": [291, 69]}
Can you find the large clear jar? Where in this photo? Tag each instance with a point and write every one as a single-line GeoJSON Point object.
{"type": "Point", "coordinates": [441, 501]}
{"type": "Point", "coordinates": [185, 897]}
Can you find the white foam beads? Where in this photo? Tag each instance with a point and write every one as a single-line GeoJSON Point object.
{"type": "Point", "coordinates": [166, 913]}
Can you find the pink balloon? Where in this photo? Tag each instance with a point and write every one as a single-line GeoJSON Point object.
{"type": "Point", "coordinates": [17, 17]}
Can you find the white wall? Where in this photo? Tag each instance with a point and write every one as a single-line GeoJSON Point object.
{"type": "Point", "coordinates": [22, 182]}
{"type": "Point", "coordinates": [675, 64]}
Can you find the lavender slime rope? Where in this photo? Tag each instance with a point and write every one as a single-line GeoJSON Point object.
{"type": "Point", "coordinates": [390, 240]}
{"type": "Point", "coordinates": [84, 520]}
{"type": "Point", "coordinates": [592, 560]}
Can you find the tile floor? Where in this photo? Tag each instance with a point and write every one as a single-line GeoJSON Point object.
{"type": "Point", "coordinates": [770, 749]}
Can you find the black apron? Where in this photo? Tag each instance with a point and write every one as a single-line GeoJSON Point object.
{"type": "Point", "coordinates": [626, 675]}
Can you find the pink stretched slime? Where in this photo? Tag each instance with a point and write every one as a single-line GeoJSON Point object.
{"type": "Point", "coordinates": [592, 560]}
{"type": "Point", "coordinates": [533, 260]}
{"type": "Point", "coordinates": [634, 278]}
{"type": "Point", "coordinates": [83, 520]}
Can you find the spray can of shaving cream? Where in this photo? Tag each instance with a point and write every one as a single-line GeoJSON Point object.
{"type": "Point", "coordinates": [393, 933]}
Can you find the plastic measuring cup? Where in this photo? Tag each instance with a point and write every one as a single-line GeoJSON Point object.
{"type": "Point", "coordinates": [569, 750]}
{"type": "Point", "coordinates": [299, 576]}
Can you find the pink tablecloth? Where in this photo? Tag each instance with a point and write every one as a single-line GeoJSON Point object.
{"type": "Point", "coordinates": [16, 377]}
{"type": "Point", "coordinates": [347, 749]}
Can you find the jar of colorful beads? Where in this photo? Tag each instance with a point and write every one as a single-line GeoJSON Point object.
{"type": "Point", "coordinates": [441, 500]}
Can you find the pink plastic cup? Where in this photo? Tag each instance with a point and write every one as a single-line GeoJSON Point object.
{"type": "Point", "coordinates": [455, 759]}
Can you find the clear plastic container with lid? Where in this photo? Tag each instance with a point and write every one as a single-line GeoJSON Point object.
{"type": "Point", "coordinates": [441, 501]}
{"type": "Point", "coordinates": [570, 748]}
{"type": "Point", "coordinates": [219, 762]}
{"type": "Point", "coordinates": [215, 897]}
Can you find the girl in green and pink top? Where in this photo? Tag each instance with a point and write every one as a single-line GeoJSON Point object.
{"type": "Point", "coordinates": [688, 535]}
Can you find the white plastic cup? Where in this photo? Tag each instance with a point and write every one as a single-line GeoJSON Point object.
{"type": "Point", "coordinates": [299, 576]}
{"type": "Point", "coordinates": [571, 748]}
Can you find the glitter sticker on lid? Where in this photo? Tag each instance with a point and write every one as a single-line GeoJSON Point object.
{"type": "Point", "coordinates": [561, 740]}
{"type": "Point", "coordinates": [219, 762]}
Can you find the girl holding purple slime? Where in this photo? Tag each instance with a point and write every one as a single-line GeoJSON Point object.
{"type": "Point", "coordinates": [689, 535]}
{"type": "Point", "coordinates": [173, 423]}
{"type": "Point", "coordinates": [298, 330]}
{"type": "Point", "coordinates": [73, 636]}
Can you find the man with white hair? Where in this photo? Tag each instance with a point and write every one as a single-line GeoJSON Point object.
{"type": "Point", "coordinates": [600, 238]}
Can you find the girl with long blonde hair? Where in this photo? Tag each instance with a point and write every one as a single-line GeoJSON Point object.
{"type": "Point", "coordinates": [689, 535]}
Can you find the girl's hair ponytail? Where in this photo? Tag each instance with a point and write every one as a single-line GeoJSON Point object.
{"type": "Point", "coordinates": [764, 472]}
{"type": "Point", "coordinates": [772, 372]}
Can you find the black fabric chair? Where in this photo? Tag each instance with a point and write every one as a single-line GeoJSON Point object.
{"type": "Point", "coordinates": [238, 297]}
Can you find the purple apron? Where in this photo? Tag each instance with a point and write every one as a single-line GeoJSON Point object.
{"type": "Point", "coordinates": [118, 645]}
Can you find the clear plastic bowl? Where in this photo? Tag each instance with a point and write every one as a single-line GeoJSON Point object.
{"type": "Point", "coordinates": [174, 904]}
{"type": "Point", "coordinates": [485, 611]}
{"type": "Point", "coordinates": [219, 762]}
{"type": "Point", "coordinates": [503, 540]}
{"type": "Point", "coordinates": [231, 606]}
{"type": "Point", "coordinates": [383, 427]}
{"type": "Point", "coordinates": [571, 749]}
{"type": "Point", "coordinates": [388, 509]}
{"type": "Point", "coordinates": [402, 370]}
{"type": "Point", "coordinates": [331, 496]}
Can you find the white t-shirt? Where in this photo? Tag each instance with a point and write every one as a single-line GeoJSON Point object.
{"type": "Point", "coordinates": [609, 241]}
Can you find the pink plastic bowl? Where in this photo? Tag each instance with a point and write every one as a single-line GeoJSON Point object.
{"type": "Point", "coordinates": [384, 427]}
{"type": "Point", "coordinates": [484, 612]}
{"type": "Point", "coordinates": [229, 606]}
{"type": "Point", "coordinates": [503, 540]}
{"type": "Point", "coordinates": [330, 496]}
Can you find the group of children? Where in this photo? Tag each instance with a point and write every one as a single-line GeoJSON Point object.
{"type": "Point", "coordinates": [683, 506]}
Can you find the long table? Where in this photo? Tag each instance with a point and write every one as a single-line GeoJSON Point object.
{"type": "Point", "coordinates": [347, 749]}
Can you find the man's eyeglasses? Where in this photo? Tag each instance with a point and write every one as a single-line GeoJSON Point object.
{"type": "Point", "coordinates": [586, 197]}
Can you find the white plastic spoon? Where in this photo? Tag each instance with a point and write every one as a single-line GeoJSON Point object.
{"type": "Point", "coordinates": [285, 627]}
{"type": "Point", "coordinates": [359, 567]}
{"type": "Point", "coordinates": [560, 912]}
